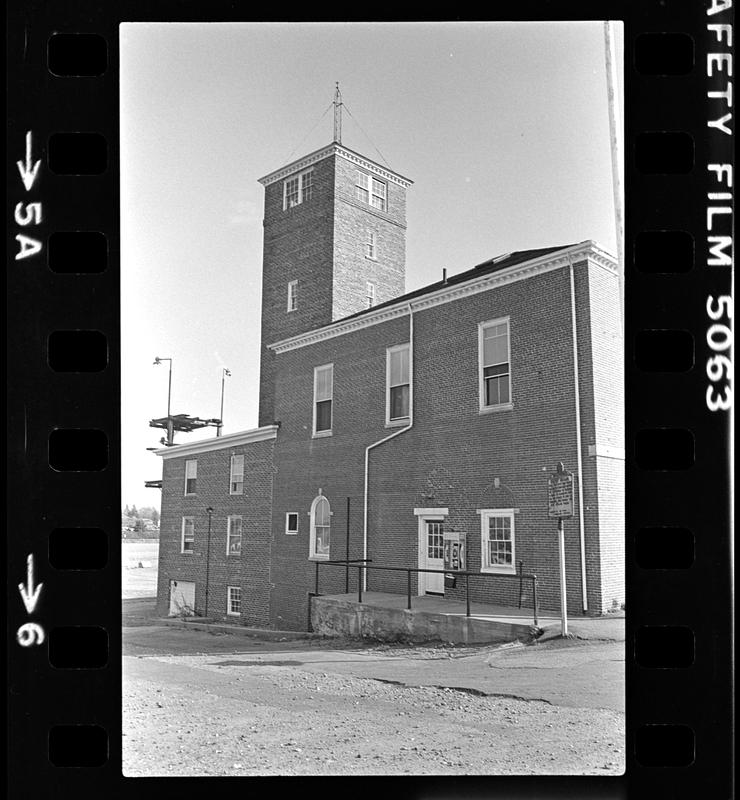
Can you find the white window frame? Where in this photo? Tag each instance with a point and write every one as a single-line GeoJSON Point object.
{"type": "Point", "coordinates": [370, 293]}
{"type": "Point", "coordinates": [316, 371]}
{"type": "Point", "coordinates": [230, 600]}
{"type": "Point", "coordinates": [485, 515]}
{"type": "Point", "coordinates": [367, 183]}
{"type": "Point", "coordinates": [191, 473]}
{"type": "Point", "coordinates": [390, 423]}
{"type": "Point", "coordinates": [289, 514]}
{"type": "Point", "coordinates": [312, 554]}
{"type": "Point", "coordinates": [182, 536]}
{"type": "Point", "coordinates": [292, 295]}
{"type": "Point", "coordinates": [236, 486]}
{"type": "Point", "coordinates": [303, 194]}
{"type": "Point", "coordinates": [371, 245]}
{"type": "Point", "coordinates": [482, 326]}
{"type": "Point", "coordinates": [229, 535]}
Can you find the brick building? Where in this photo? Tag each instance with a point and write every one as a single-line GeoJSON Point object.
{"type": "Point", "coordinates": [387, 418]}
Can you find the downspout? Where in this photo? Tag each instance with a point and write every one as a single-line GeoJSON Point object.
{"type": "Point", "coordinates": [579, 458]}
{"type": "Point", "coordinates": [386, 439]}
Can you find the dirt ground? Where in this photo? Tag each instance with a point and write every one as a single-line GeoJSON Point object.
{"type": "Point", "coordinates": [196, 703]}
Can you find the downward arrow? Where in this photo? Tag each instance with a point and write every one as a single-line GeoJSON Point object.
{"type": "Point", "coordinates": [28, 593]}
{"type": "Point", "coordinates": [28, 169]}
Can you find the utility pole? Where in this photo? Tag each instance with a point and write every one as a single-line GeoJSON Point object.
{"type": "Point", "coordinates": [337, 115]}
{"type": "Point", "coordinates": [224, 373]}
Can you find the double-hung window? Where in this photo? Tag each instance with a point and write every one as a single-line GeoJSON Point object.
{"type": "Point", "coordinates": [191, 476]}
{"type": "Point", "coordinates": [371, 191]}
{"type": "Point", "coordinates": [234, 536]}
{"type": "Point", "coordinates": [234, 600]}
{"type": "Point", "coordinates": [398, 384]}
{"type": "Point", "coordinates": [371, 245]}
{"type": "Point", "coordinates": [187, 541]}
{"type": "Point", "coordinates": [297, 189]}
{"type": "Point", "coordinates": [320, 527]}
{"type": "Point", "coordinates": [370, 294]}
{"type": "Point", "coordinates": [236, 476]}
{"type": "Point", "coordinates": [323, 389]}
{"type": "Point", "coordinates": [494, 364]}
{"type": "Point", "coordinates": [292, 295]}
{"type": "Point", "coordinates": [497, 540]}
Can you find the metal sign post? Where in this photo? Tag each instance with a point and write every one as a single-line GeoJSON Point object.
{"type": "Point", "coordinates": [560, 505]}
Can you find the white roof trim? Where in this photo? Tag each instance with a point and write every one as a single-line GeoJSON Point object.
{"type": "Point", "coordinates": [219, 442]}
{"type": "Point", "coordinates": [335, 149]}
{"type": "Point", "coordinates": [527, 269]}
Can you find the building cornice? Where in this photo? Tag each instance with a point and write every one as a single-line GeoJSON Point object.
{"type": "Point", "coordinates": [583, 251]}
{"type": "Point", "coordinates": [338, 150]}
{"type": "Point", "coordinates": [219, 442]}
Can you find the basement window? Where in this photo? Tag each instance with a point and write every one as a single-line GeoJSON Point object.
{"type": "Point", "coordinates": [234, 600]}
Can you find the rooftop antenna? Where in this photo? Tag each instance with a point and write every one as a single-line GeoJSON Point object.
{"type": "Point", "coordinates": [337, 115]}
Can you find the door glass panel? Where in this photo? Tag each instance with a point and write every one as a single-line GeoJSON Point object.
{"type": "Point", "coordinates": [434, 540]}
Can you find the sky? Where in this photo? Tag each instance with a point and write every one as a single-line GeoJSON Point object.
{"type": "Point", "coordinates": [503, 127]}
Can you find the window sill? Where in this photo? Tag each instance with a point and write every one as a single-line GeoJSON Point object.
{"type": "Point", "coordinates": [186, 552]}
{"type": "Point", "coordinates": [371, 258]}
{"type": "Point", "coordinates": [398, 423]}
{"type": "Point", "coordinates": [233, 613]}
{"type": "Point", "coordinates": [498, 571]}
{"type": "Point", "coordinates": [318, 558]}
{"type": "Point", "coordinates": [233, 555]}
{"type": "Point", "coordinates": [495, 409]}
{"type": "Point", "coordinates": [291, 533]}
{"type": "Point", "coordinates": [321, 434]}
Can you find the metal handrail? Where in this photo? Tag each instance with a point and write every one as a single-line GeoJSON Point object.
{"type": "Point", "coordinates": [365, 564]}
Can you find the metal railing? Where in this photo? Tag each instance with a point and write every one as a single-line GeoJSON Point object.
{"type": "Point", "coordinates": [362, 565]}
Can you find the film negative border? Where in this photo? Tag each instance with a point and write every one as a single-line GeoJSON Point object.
{"type": "Point", "coordinates": [64, 426]}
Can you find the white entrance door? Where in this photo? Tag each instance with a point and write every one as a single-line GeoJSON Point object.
{"type": "Point", "coordinates": [430, 555]}
{"type": "Point", "coordinates": [182, 598]}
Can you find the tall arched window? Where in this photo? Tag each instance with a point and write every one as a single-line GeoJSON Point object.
{"type": "Point", "coordinates": [320, 527]}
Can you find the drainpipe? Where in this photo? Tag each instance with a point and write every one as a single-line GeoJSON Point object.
{"type": "Point", "coordinates": [386, 439]}
{"type": "Point", "coordinates": [581, 527]}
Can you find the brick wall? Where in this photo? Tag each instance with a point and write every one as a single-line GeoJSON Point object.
{"type": "Point", "coordinates": [251, 570]}
{"type": "Point", "coordinates": [453, 454]}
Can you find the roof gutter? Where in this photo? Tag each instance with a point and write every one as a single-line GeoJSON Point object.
{"type": "Point", "coordinates": [386, 439]}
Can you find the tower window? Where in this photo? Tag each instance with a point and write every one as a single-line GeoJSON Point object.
{"type": "Point", "coordinates": [297, 189]}
{"type": "Point", "coordinates": [191, 476]}
{"type": "Point", "coordinates": [370, 294]}
{"type": "Point", "coordinates": [292, 295]}
{"type": "Point", "coordinates": [371, 248]}
{"type": "Point", "coordinates": [323, 389]}
{"type": "Point", "coordinates": [371, 191]}
{"type": "Point", "coordinates": [236, 476]}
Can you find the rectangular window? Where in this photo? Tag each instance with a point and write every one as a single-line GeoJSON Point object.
{"type": "Point", "coordinates": [371, 245]}
{"type": "Point", "coordinates": [234, 600]}
{"type": "Point", "coordinates": [370, 190]}
{"type": "Point", "coordinates": [188, 535]}
{"type": "Point", "coordinates": [323, 389]}
{"type": "Point", "coordinates": [291, 522]}
{"type": "Point", "coordinates": [370, 294]}
{"type": "Point", "coordinates": [292, 295]}
{"type": "Point", "coordinates": [191, 476]}
{"type": "Point", "coordinates": [497, 540]}
{"type": "Point", "coordinates": [398, 384]}
{"type": "Point", "coordinates": [236, 477]}
{"type": "Point", "coordinates": [234, 536]}
{"type": "Point", "coordinates": [297, 189]}
{"type": "Point", "coordinates": [495, 377]}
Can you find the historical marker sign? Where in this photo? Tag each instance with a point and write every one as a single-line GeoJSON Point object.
{"type": "Point", "coordinates": [560, 493]}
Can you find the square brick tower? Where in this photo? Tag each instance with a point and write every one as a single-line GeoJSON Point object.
{"type": "Point", "coordinates": [334, 244]}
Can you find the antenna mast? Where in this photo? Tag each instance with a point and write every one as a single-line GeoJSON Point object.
{"type": "Point", "coordinates": [337, 115]}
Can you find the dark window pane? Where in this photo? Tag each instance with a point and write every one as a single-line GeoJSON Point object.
{"type": "Point", "coordinates": [323, 415]}
{"type": "Point", "coordinates": [399, 402]}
